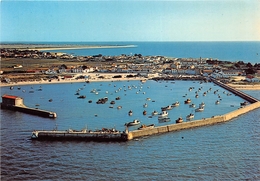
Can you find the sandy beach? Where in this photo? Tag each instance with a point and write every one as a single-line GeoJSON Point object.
{"type": "Point", "coordinates": [245, 87]}
{"type": "Point", "coordinates": [93, 77]}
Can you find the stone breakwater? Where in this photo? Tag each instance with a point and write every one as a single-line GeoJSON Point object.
{"type": "Point", "coordinates": [196, 123]}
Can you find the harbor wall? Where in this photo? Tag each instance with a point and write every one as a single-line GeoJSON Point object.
{"type": "Point", "coordinates": [235, 91]}
{"type": "Point", "coordinates": [191, 124]}
{"type": "Point", "coordinates": [24, 109]}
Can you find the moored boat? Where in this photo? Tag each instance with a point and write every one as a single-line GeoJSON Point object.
{"type": "Point", "coordinates": [187, 101]}
{"type": "Point", "coordinates": [154, 113]}
{"type": "Point", "coordinates": [190, 116]}
{"type": "Point", "coordinates": [133, 123]}
{"type": "Point", "coordinates": [177, 103]}
{"type": "Point", "coordinates": [179, 120]}
{"type": "Point", "coordinates": [143, 126]}
{"type": "Point", "coordinates": [192, 105]}
{"type": "Point", "coordinates": [163, 120]}
{"type": "Point", "coordinates": [82, 97]}
{"type": "Point", "coordinates": [200, 109]}
{"type": "Point", "coordinates": [163, 114]}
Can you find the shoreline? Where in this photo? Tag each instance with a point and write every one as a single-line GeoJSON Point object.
{"type": "Point", "coordinates": [245, 87]}
{"type": "Point", "coordinates": [108, 78]}
{"type": "Point", "coordinates": [93, 78]}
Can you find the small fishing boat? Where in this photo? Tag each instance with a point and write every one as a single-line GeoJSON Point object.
{"type": "Point", "coordinates": [130, 113]}
{"type": "Point", "coordinates": [82, 97]}
{"type": "Point", "coordinates": [202, 104]}
{"type": "Point", "coordinates": [190, 116]}
{"type": "Point", "coordinates": [119, 107]}
{"type": "Point", "coordinates": [217, 102]}
{"type": "Point", "coordinates": [179, 120]}
{"type": "Point", "coordinates": [154, 113]}
{"type": "Point", "coordinates": [200, 109]}
{"type": "Point", "coordinates": [143, 126]}
{"type": "Point", "coordinates": [133, 123]}
{"type": "Point", "coordinates": [117, 98]}
{"type": "Point", "coordinates": [196, 96]}
{"type": "Point", "coordinates": [187, 101]}
{"type": "Point", "coordinates": [243, 103]}
{"type": "Point", "coordinates": [145, 105]}
{"type": "Point", "coordinates": [164, 120]}
{"type": "Point", "coordinates": [163, 114]}
{"type": "Point", "coordinates": [177, 103]}
{"type": "Point", "coordinates": [192, 105]}
{"type": "Point", "coordinates": [144, 112]}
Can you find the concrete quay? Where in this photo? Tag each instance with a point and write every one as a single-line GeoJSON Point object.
{"type": "Point", "coordinates": [15, 103]}
{"type": "Point", "coordinates": [235, 91]}
{"type": "Point", "coordinates": [192, 124]}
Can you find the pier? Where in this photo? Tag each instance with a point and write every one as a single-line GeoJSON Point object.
{"type": "Point", "coordinates": [83, 135]}
{"type": "Point", "coordinates": [192, 124]}
{"type": "Point", "coordinates": [15, 103]}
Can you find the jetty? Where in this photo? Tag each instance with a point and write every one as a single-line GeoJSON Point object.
{"type": "Point", "coordinates": [82, 135]}
{"type": "Point", "coordinates": [15, 103]}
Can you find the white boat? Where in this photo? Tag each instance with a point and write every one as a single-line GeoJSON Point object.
{"type": "Point", "coordinates": [130, 113]}
{"type": "Point", "coordinates": [177, 103]}
{"type": "Point", "coordinates": [179, 120]}
{"type": "Point", "coordinates": [143, 126]}
{"type": "Point", "coordinates": [133, 123]}
{"type": "Point", "coordinates": [163, 120]}
{"type": "Point", "coordinates": [192, 105]}
{"type": "Point", "coordinates": [190, 116]}
{"type": "Point", "coordinates": [202, 105]}
{"type": "Point", "coordinates": [145, 105]}
{"type": "Point", "coordinates": [163, 114]}
{"type": "Point", "coordinates": [200, 109]}
{"type": "Point", "coordinates": [154, 113]}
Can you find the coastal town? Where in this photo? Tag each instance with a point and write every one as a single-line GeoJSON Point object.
{"type": "Point", "coordinates": [23, 65]}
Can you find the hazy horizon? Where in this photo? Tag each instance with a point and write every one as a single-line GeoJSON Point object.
{"type": "Point", "coordinates": [129, 21]}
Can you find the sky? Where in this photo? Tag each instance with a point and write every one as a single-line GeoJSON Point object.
{"type": "Point", "coordinates": [129, 20]}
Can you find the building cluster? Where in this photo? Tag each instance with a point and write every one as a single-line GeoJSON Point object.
{"type": "Point", "coordinates": [140, 64]}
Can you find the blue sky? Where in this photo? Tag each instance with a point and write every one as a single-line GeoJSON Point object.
{"type": "Point", "coordinates": [130, 20]}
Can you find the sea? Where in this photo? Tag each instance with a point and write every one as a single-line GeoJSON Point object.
{"type": "Point", "coordinates": [224, 51]}
{"type": "Point", "coordinates": [226, 151]}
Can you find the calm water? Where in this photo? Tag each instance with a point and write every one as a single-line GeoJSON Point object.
{"type": "Point", "coordinates": [228, 151]}
{"type": "Point", "coordinates": [229, 51]}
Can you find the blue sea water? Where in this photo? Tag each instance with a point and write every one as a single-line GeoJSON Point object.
{"type": "Point", "coordinates": [224, 51]}
{"type": "Point", "coordinates": [228, 151]}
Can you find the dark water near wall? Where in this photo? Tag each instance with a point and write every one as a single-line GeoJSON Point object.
{"type": "Point", "coordinates": [228, 151]}
{"type": "Point", "coordinates": [228, 51]}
